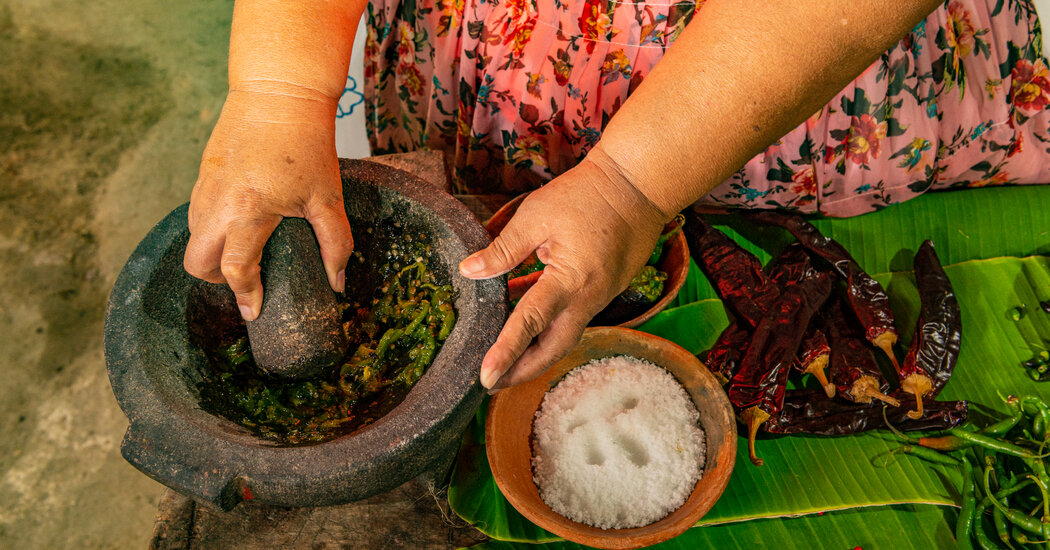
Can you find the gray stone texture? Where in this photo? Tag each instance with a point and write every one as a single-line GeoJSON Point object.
{"type": "Point", "coordinates": [299, 331]}
{"type": "Point", "coordinates": [159, 317]}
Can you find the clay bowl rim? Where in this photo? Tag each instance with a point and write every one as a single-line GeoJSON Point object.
{"type": "Point", "coordinates": [512, 409]}
{"type": "Point", "coordinates": [676, 254]}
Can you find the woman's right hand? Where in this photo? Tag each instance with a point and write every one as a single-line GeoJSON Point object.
{"type": "Point", "coordinates": [270, 156]}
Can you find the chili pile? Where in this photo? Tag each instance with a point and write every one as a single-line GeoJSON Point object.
{"type": "Point", "coordinates": [1003, 474]}
{"type": "Point", "coordinates": [867, 298]}
{"type": "Point", "coordinates": [778, 324]}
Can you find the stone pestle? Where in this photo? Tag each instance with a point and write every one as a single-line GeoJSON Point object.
{"type": "Point", "coordinates": [299, 330]}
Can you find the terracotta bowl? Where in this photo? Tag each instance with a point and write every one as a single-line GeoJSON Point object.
{"type": "Point", "coordinates": [508, 431]}
{"type": "Point", "coordinates": [675, 263]}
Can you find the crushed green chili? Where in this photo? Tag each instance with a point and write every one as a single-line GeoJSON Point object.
{"type": "Point", "coordinates": [392, 342]}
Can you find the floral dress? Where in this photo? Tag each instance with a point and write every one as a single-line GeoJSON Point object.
{"type": "Point", "coordinates": [518, 91]}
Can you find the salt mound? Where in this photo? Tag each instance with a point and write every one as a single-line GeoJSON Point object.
{"type": "Point", "coordinates": [617, 444]}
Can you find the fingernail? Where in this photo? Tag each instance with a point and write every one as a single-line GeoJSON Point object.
{"type": "Point", "coordinates": [494, 392]}
{"type": "Point", "coordinates": [489, 378]}
{"type": "Point", "coordinates": [471, 265]}
{"type": "Point", "coordinates": [340, 281]}
{"type": "Point", "coordinates": [246, 312]}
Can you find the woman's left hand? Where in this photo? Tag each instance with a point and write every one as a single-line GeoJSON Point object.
{"type": "Point", "coordinates": [594, 231]}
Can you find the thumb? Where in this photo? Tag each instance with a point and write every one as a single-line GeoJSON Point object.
{"type": "Point", "coordinates": [507, 250]}
{"type": "Point", "coordinates": [333, 235]}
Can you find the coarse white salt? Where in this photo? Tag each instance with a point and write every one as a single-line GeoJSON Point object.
{"type": "Point", "coordinates": [617, 444]}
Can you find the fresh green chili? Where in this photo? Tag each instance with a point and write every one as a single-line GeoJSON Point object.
{"type": "Point", "coordinates": [964, 527]}
{"type": "Point", "coordinates": [1000, 428]}
{"type": "Point", "coordinates": [983, 540]}
{"type": "Point", "coordinates": [1001, 528]}
{"type": "Point", "coordinates": [927, 454]}
{"type": "Point", "coordinates": [1031, 525]}
{"type": "Point", "coordinates": [995, 444]}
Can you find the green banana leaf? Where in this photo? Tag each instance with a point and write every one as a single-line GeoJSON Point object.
{"type": "Point", "coordinates": [806, 474]}
{"type": "Point", "coordinates": [902, 526]}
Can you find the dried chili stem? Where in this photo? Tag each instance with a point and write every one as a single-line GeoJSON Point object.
{"type": "Point", "coordinates": [918, 385]}
{"type": "Point", "coordinates": [885, 342]}
{"type": "Point", "coordinates": [866, 388]}
{"type": "Point", "coordinates": [816, 368]}
{"type": "Point", "coordinates": [753, 417]}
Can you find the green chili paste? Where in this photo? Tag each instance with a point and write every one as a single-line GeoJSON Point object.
{"type": "Point", "coordinates": [392, 342]}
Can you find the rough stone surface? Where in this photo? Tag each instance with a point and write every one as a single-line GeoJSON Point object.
{"type": "Point", "coordinates": [299, 330]}
{"type": "Point", "coordinates": [375, 522]}
{"type": "Point", "coordinates": [158, 317]}
{"type": "Point", "coordinates": [427, 164]}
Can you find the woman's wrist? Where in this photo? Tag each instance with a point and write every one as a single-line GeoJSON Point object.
{"type": "Point", "coordinates": [623, 192]}
{"type": "Point", "coordinates": [285, 106]}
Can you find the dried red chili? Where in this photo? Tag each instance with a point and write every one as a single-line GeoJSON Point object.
{"type": "Point", "coordinates": [938, 335]}
{"type": "Point", "coordinates": [867, 298]}
{"type": "Point", "coordinates": [808, 411]}
{"type": "Point", "coordinates": [736, 274]}
{"type": "Point", "coordinates": [723, 359]}
{"type": "Point", "coordinates": [854, 371]}
{"type": "Point", "coordinates": [757, 389]}
{"type": "Point", "coordinates": [790, 267]}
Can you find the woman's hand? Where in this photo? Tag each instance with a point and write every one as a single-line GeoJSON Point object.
{"type": "Point", "coordinates": [270, 156]}
{"type": "Point", "coordinates": [594, 231]}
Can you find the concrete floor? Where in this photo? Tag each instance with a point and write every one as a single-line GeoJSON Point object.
{"type": "Point", "coordinates": [105, 108]}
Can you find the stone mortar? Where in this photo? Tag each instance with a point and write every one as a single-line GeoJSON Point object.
{"type": "Point", "coordinates": [158, 317]}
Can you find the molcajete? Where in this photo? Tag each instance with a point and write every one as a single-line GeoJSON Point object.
{"type": "Point", "coordinates": [159, 320]}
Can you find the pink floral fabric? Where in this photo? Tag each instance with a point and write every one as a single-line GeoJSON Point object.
{"type": "Point", "coordinates": [517, 91]}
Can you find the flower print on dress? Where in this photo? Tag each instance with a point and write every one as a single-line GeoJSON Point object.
{"type": "Point", "coordinates": [483, 70]}
{"type": "Point", "coordinates": [562, 66]}
{"type": "Point", "coordinates": [516, 28]}
{"type": "Point", "coordinates": [1029, 87]}
{"type": "Point", "coordinates": [995, 178]}
{"type": "Point", "coordinates": [411, 78]}
{"type": "Point", "coordinates": [451, 15]}
{"type": "Point", "coordinates": [406, 43]}
{"type": "Point", "coordinates": [804, 184]}
{"type": "Point", "coordinates": [589, 135]}
{"type": "Point", "coordinates": [595, 23]}
{"type": "Point", "coordinates": [525, 151]}
{"type": "Point", "coordinates": [864, 139]}
{"type": "Point", "coordinates": [1017, 146]}
{"type": "Point", "coordinates": [616, 65]}
{"type": "Point", "coordinates": [532, 86]}
{"type": "Point", "coordinates": [960, 37]}
{"type": "Point", "coordinates": [959, 33]}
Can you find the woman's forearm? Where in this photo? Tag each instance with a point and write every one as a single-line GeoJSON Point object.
{"type": "Point", "coordinates": [740, 76]}
{"type": "Point", "coordinates": [299, 49]}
